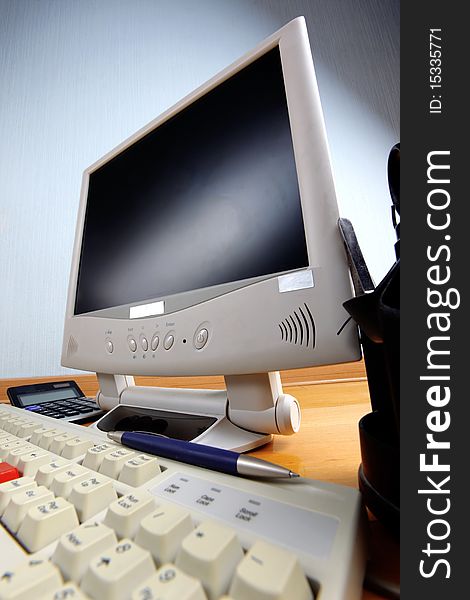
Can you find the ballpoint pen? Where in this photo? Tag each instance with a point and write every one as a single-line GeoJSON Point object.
{"type": "Point", "coordinates": [216, 459]}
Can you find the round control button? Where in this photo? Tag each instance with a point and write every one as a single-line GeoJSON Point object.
{"type": "Point", "coordinates": [168, 341]}
{"type": "Point", "coordinates": [109, 346]}
{"type": "Point", "coordinates": [144, 343]}
{"type": "Point", "coordinates": [132, 344]}
{"type": "Point", "coordinates": [201, 337]}
{"type": "Point", "coordinates": [155, 341]}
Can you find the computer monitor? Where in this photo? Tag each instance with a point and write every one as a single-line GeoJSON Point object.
{"type": "Point", "coordinates": [207, 244]}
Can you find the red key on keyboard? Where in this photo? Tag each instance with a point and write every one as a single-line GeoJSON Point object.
{"type": "Point", "coordinates": [8, 472]}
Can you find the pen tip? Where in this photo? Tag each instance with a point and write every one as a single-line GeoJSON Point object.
{"type": "Point", "coordinates": [115, 435]}
{"type": "Point", "coordinates": [291, 474]}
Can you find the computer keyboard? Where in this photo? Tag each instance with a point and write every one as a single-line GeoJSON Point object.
{"type": "Point", "coordinates": [84, 517]}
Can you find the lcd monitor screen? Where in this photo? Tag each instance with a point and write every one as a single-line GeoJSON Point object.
{"type": "Point", "coordinates": [209, 196]}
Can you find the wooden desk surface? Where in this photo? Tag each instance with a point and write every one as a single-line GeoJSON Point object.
{"type": "Point", "coordinates": [333, 400]}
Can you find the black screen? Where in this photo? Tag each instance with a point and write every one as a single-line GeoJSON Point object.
{"type": "Point", "coordinates": [208, 197]}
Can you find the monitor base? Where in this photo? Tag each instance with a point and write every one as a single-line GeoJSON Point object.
{"type": "Point", "coordinates": [220, 432]}
{"type": "Point", "coordinates": [245, 415]}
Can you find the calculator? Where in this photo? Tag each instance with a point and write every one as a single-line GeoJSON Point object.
{"type": "Point", "coordinates": [57, 399]}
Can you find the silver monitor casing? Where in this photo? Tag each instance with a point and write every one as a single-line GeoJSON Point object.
{"type": "Point", "coordinates": [255, 327]}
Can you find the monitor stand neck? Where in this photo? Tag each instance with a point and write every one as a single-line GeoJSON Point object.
{"type": "Point", "coordinates": [248, 412]}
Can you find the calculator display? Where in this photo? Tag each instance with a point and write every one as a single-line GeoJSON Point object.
{"type": "Point", "coordinates": [48, 396]}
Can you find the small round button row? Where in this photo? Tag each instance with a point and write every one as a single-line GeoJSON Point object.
{"type": "Point", "coordinates": [154, 342]}
{"type": "Point", "coordinates": [168, 341]}
{"type": "Point", "coordinates": [144, 343]}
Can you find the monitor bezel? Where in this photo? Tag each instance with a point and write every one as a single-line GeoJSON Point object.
{"type": "Point", "coordinates": [292, 33]}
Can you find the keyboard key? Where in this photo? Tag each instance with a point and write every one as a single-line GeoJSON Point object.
{"type": "Point", "coordinates": [45, 522]}
{"type": "Point", "coordinates": [113, 462]}
{"type": "Point", "coordinates": [125, 514]}
{"type": "Point", "coordinates": [58, 443]}
{"type": "Point", "coordinates": [163, 530]}
{"type": "Point", "coordinates": [20, 503]}
{"type": "Point", "coordinates": [15, 427]}
{"type": "Point", "coordinates": [5, 448]}
{"type": "Point", "coordinates": [10, 488]}
{"type": "Point", "coordinates": [115, 573]}
{"type": "Point", "coordinates": [26, 429]}
{"type": "Point", "coordinates": [47, 438]}
{"type": "Point", "coordinates": [30, 462]}
{"type": "Point", "coordinates": [37, 434]}
{"type": "Point", "coordinates": [94, 456]}
{"type": "Point", "coordinates": [76, 447]}
{"type": "Point", "coordinates": [14, 454]}
{"type": "Point", "coordinates": [92, 495]}
{"type": "Point", "coordinates": [8, 472]}
{"type": "Point", "coordinates": [12, 424]}
{"type": "Point", "coordinates": [170, 583]}
{"type": "Point", "coordinates": [271, 573]}
{"type": "Point", "coordinates": [139, 469]}
{"type": "Point", "coordinates": [211, 553]}
{"type": "Point", "coordinates": [65, 480]}
{"type": "Point", "coordinates": [29, 580]}
{"type": "Point", "coordinates": [46, 472]}
{"type": "Point", "coordinates": [78, 547]}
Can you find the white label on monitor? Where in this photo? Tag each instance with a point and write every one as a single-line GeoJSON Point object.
{"type": "Point", "coordinates": [296, 281]}
{"type": "Point", "coordinates": [297, 528]}
{"type": "Point", "coordinates": [147, 310]}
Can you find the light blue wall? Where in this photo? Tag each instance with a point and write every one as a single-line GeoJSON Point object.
{"type": "Point", "coordinates": [79, 76]}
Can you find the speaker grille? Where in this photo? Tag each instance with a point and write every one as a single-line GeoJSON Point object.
{"type": "Point", "coordinates": [299, 327]}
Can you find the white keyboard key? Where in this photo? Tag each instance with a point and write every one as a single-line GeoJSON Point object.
{"type": "Point", "coordinates": [92, 495]}
{"type": "Point", "coordinates": [4, 420]}
{"type": "Point", "coordinates": [211, 553]}
{"type": "Point", "coordinates": [65, 480]}
{"type": "Point", "coordinates": [37, 433]}
{"type": "Point", "coordinates": [26, 429]}
{"type": "Point", "coordinates": [163, 530]}
{"type": "Point", "coordinates": [46, 472]}
{"type": "Point", "coordinates": [94, 456]}
{"type": "Point", "coordinates": [15, 426]}
{"type": "Point", "coordinates": [113, 462]}
{"type": "Point", "coordinates": [170, 583]}
{"type": "Point", "coordinates": [9, 488]}
{"type": "Point", "coordinates": [14, 455]}
{"type": "Point", "coordinates": [20, 503]}
{"type": "Point", "coordinates": [45, 522]}
{"type": "Point", "coordinates": [78, 547]}
{"type": "Point", "coordinates": [125, 514]}
{"type": "Point", "coordinates": [76, 447]}
{"type": "Point", "coordinates": [59, 441]}
{"type": "Point", "coordinates": [271, 573]}
{"type": "Point", "coordinates": [68, 591]}
{"type": "Point", "coordinates": [30, 462]}
{"type": "Point", "coordinates": [5, 448]}
{"type": "Point", "coordinates": [47, 438]}
{"type": "Point", "coordinates": [139, 469]}
{"type": "Point", "coordinates": [29, 580]}
{"type": "Point", "coordinates": [12, 424]}
{"type": "Point", "coordinates": [115, 573]}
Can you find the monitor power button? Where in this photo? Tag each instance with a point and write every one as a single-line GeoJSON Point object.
{"type": "Point", "coordinates": [201, 337]}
